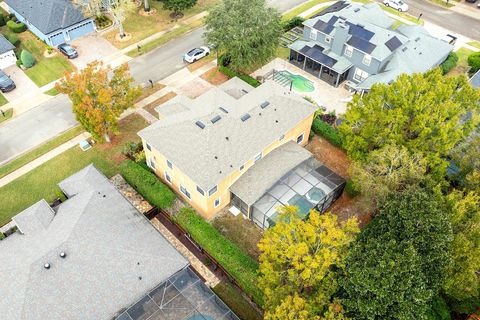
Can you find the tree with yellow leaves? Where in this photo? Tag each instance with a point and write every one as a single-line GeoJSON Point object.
{"type": "Point", "coordinates": [299, 264]}
{"type": "Point", "coordinates": [99, 96]}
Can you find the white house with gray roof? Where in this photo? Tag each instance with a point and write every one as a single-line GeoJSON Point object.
{"type": "Point", "coordinates": [361, 44]}
{"type": "Point", "coordinates": [7, 55]}
{"type": "Point", "coordinates": [92, 257]}
{"type": "Point", "coordinates": [53, 21]}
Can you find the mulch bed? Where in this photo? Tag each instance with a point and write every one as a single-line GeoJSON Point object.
{"type": "Point", "coordinates": [331, 156]}
{"type": "Point", "coordinates": [214, 76]}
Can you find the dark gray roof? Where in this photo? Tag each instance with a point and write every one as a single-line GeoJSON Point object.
{"type": "Point", "coordinates": [48, 15]}
{"type": "Point", "coordinates": [5, 45]}
{"type": "Point", "coordinates": [109, 245]}
{"type": "Point", "coordinates": [475, 80]}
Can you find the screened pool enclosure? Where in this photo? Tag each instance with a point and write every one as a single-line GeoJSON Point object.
{"type": "Point", "coordinates": [182, 297]}
{"type": "Point", "coordinates": [309, 185]}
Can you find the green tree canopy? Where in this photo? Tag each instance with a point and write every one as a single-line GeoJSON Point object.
{"type": "Point", "coordinates": [427, 113]}
{"type": "Point", "coordinates": [462, 286]}
{"type": "Point", "coordinates": [178, 6]}
{"type": "Point", "coordinates": [99, 96]}
{"type": "Point", "coordinates": [299, 261]}
{"type": "Point", "coordinates": [397, 264]}
{"type": "Point", "coordinates": [246, 30]}
{"type": "Point", "coordinates": [27, 59]}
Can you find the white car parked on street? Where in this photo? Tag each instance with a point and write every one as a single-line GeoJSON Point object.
{"type": "Point", "coordinates": [196, 54]}
{"type": "Point", "coordinates": [396, 4]}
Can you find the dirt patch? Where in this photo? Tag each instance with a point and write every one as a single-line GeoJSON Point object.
{"type": "Point", "coordinates": [244, 233]}
{"type": "Point", "coordinates": [346, 207]}
{"type": "Point", "coordinates": [331, 156]}
{"type": "Point", "coordinates": [152, 105]}
{"type": "Point", "coordinates": [214, 76]}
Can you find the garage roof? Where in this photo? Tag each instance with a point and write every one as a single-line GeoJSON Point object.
{"type": "Point", "coordinates": [5, 45]}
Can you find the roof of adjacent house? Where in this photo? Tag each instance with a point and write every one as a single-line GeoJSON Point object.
{"type": "Point", "coordinates": [5, 45]}
{"type": "Point", "coordinates": [48, 15]}
{"type": "Point", "coordinates": [475, 80]}
{"type": "Point", "coordinates": [267, 171]}
{"type": "Point", "coordinates": [113, 255]}
{"type": "Point", "coordinates": [234, 129]}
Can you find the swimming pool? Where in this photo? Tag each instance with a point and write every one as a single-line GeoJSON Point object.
{"type": "Point", "coordinates": [299, 83]}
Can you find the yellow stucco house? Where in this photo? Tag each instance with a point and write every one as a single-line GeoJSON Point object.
{"type": "Point", "coordinates": [230, 145]}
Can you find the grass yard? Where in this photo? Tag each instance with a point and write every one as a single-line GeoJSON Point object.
{"type": "Point", "coordinates": [45, 70]}
{"type": "Point", "coordinates": [7, 114]}
{"type": "Point", "coordinates": [3, 100]}
{"type": "Point", "coordinates": [462, 65]}
{"type": "Point", "coordinates": [42, 181]}
{"type": "Point", "coordinates": [52, 92]}
{"type": "Point", "coordinates": [300, 9]}
{"type": "Point", "coordinates": [141, 27]}
{"type": "Point", "coordinates": [39, 151]}
{"type": "Point", "coordinates": [475, 44]}
{"type": "Point", "coordinates": [234, 299]}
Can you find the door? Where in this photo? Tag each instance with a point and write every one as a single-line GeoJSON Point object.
{"type": "Point", "coordinates": [57, 39]}
{"type": "Point", "coordinates": [81, 30]}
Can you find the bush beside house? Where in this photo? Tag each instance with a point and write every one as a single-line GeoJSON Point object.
{"type": "Point", "coordinates": [223, 63]}
{"type": "Point", "coordinates": [327, 131]}
{"type": "Point", "coordinates": [2, 20]}
{"type": "Point", "coordinates": [147, 184]}
{"type": "Point", "coordinates": [16, 27]}
{"type": "Point", "coordinates": [13, 39]}
{"type": "Point", "coordinates": [292, 23]}
{"type": "Point", "coordinates": [449, 63]}
{"type": "Point", "coordinates": [474, 62]}
{"type": "Point", "coordinates": [27, 59]}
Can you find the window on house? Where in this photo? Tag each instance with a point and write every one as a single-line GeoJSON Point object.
{"type": "Point", "coordinates": [212, 191]}
{"type": "Point", "coordinates": [281, 137]}
{"type": "Point", "coordinates": [328, 39]}
{"type": "Point", "coordinates": [168, 178]}
{"type": "Point", "coordinates": [348, 51]}
{"type": "Point", "coordinates": [169, 164]}
{"type": "Point", "coordinates": [200, 190]}
{"type": "Point", "coordinates": [217, 202]}
{"type": "Point", "coordinates": [242, 167]}
{"type": "Point", "coordinates": [367, 59]}
{"type": "Point", "coordinates": [257, 157]}
{"type": "Point", "coordinates": [300, 138]}
{"type": "Point", "coordinates": [149, 147]}
{"type": "Point", "coordinates": [151, 163]}
{"type": "Point", "coordinates": [360, 75]}
{"type": "Point", "coordinates": [185, 192]}
{"type": "Point", "coordinates": [313, 34]}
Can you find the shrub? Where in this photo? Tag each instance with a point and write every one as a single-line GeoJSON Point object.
{"type": "Point", "coordinates": [13, 39]}
{"type": "Point", "coordinates": [230, 73]}
{"type": "Point", "coordinates": [2, 20]}
{"type": "Point", "coordinates": [147, 184]}
{"type": "Point", "coordinates": [449, 63]}
{"type": "Point", "coordinates": [240, 266]}
{"type": "Point", "coordinates": [351, 189]}
{"type": "Point", "coordinates": [12, 17]}
{"type": "Point", "coordinates": [27, 59]}
{"type": "Point", "coordinates": [19, 63]}
{"type": "Point", "coordinates": [474, 62]}
{"type": "Point", "coordinates": [292, 23]}
{"type": "Point", "coordinates": [328, 132]}
{"type": "Point", "coordinates": [16, 27]}
{"type": "Point", "coordinates": [2, 236]}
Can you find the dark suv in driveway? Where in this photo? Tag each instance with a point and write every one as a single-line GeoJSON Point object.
{"type": "Point", "coordinates": [6, 84]}
{"type": "Point", "coordinates": [68, 50]}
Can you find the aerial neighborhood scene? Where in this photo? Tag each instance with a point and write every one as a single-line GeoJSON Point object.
{"type": "Point", "coordinates": [240, 159]}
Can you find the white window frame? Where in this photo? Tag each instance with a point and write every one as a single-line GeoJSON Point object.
{"type": "Point", "coordinates": [169, 164]}
{"type": "Point", "coordinates": [348, 51]}
{"type": "Point", "coordinates": [313, 34]}
{"type": "Point", "coordinates": [303, 138]}
{"type": "Point", "coordinates": [281, 137]}
{"type": "Point", "coordinates": [149, 147]}
{"type": "Point", "coordinates": [257, 158]}
{"type": "Point", "coordinates": [151, 163]}
{"type": "Point", "coordinates": [328, 39]}
{"type": "Point", "coordinates": [215, 204]}
{"type": "Point", "coordinates": [200, 190]}
{"type": "Point", "coordinates": [360, 75]}
{"type": "Point", "coordinates": [186, 193]}
{"type": "Point", "coordinates": [168, 178]}
{"type": "Point", "coordinates": [367, 59]}
{"type": "Point", "coordinates": [212, 191]}
{"type": "Point", "coordinates": [242, 167]}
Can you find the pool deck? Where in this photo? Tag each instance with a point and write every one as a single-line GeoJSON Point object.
{"type": "Point", "coordinates": [333, 99]}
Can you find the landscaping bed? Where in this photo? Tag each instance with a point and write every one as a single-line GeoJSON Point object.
{"type": "Point", "coordinates": [214, 76]}
{"type": "Point", "coordinates": [152, 105]}
{"type": "Point", "coordinates": [234, 299]}
{"type": "Point", "coordinates": [331, 156]}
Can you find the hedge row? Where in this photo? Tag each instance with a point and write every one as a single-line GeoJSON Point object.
{"type": "Point", "coordinates": [240, 266]}
{"type": "Point", "coordinates": [474, 62]}
{"type": "Point", "coordinates": [230, 73]}
{"type": "Point", "coordinates": [292, 23]}
{"type": "Point", "coordinates": [327, 131]}
{"type": "Point", "coordinates": [147, 184]}
{"type": "Point", "coordinates": [16, 27]}
{"type": "Point", "coordinates": [449, 63]}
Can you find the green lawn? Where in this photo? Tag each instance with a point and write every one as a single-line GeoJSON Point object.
{"type": "Point", "coordinates": [235, 301]}
{"type": "Point", "coordinates": [475, 44]}
{"type": "Point", "coordinates": [8, 114]}
{"type": "Point", "coordinates": [42, 181]}
{"type": "Point", "coordinates": [39, 151]}
{"type": "Point", "coordinates": [3, 100]}
{"type": "Point", "coordinates": [52, 92]}
{"type": "Point", "coordinates": [462, 65]}
{"type": "Point", "coordinates": [300, 9]}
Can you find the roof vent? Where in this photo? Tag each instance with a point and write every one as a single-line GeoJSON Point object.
{"type": "Point", "coordinates": [264, 104]}
{"type": "Point", "coordinates": [200, 124]}
{"type": "Point", "coordinates": [63, 255]}
{"type": "Point", "coordinates": [215, 119]}
{"type": "Point", "coordinates": [244, 91]}
{"type": "Point", "coordinates": [404, 49]}
{"type": "Point", "coordinates": [356, 10]}
{"type": "Point", "coordinates": [216, 157]}
{"type": "Point", "coordinates": [46, 265]}
{"type": "Point", "coordinates": [245, 117]}
{"type": "Point", "coordinates": [342, 17]}
{"type": "Point", "coordinates": [227, 138]}
{"type": "Point", "coordinates": [223, 109]}
{"type": "Point", "coordinates": [417, 39]}
{"type": "Point", "coordinates": [276, 121]}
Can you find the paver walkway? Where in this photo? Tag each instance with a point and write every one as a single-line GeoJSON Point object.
{"type": "Point", "coordinates": [146, 115]}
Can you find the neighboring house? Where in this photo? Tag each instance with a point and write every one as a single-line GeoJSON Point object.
{"type": "Point", "coordinates": [234, 143]}
{"type": "Point", "coordinates": [53, 21]}
{"type": "Point", "coordinates": [475, 80]}
{"type": "Point", "coordinates": [95, 256]}
{"type": "Point", "coordinates": [7, 56]}
{"type": "Point", "coordinates": [359, 43]}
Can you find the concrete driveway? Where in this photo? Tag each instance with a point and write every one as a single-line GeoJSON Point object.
{"type": "Point", "coordinates": [90, 48]}
{"type": "Point", "coordinates": [25, 86]}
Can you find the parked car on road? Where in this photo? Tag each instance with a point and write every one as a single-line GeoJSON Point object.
{"type": "Point", "coordinates": [196, 54]}
{"type": "Point", "coordinates": [6, 84]}
{"type": "Point", "coordinates": [68, 50]}
{"type": "Point", "coordinates": [396, 4]}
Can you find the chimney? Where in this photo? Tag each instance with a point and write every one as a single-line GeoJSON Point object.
{"type": "Point", "coordinates": [340, 37]}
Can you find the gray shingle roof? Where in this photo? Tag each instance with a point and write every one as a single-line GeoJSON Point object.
{"type": "Point", "coordinates": [209, 155]}
{"type": "Point", "coordinates": [48, 15]}
{"type": "Point", "coordinates": [266, 172]}
{"type": "Point", "coordinates": [108, 243]}
{"type": "Point", "coordinates": [5, 45]}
